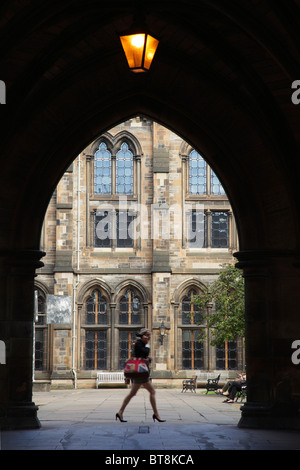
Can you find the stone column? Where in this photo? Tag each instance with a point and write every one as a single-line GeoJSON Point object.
{"type": "Point", "coordinates": [17, 271]}
{"type": "Point", "coordinates": [272, 299]}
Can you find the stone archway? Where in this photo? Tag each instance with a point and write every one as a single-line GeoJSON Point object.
{"type": "Point", "coordinates": [225, 86]}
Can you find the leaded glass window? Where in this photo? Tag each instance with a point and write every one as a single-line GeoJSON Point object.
{"type": "Point", "coordinates": [126, 342]}
{"type": "Point", "coordinates": [96, 309]}
{"type": "Point", "coordinates": [41, 317]}
{"type": "Point", "coordinates": [39, 349]}
{"type": "Point", "coordinates": [215, 186]}
{"type": "Point", "coordinates": [219, 230]}
{"type": "Point", "coordinates": [226, 356]}
{"type": "Point", "coordinates": [40, 340]}
{"type": "Point", "coordinates": [192, 350]}
{"type": "Point", "coordinates": [130, 309]}
{"type": "Point", "coordinates": [191, 314]}
{"type": "Point", "coordinates": [102, 170]}
{"type": "Point", "coordinates": [124, 170]}
{"type": "Point", "coordinates": [197, 174]}
{"type": "Point", "coordinates": [95, 349]}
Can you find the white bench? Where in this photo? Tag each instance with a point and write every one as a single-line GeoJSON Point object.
{"type": "Point", "coordinates": [110, 378]}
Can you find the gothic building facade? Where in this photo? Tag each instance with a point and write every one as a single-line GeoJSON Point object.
{"type": "Point", "coordinates": [138, 225]}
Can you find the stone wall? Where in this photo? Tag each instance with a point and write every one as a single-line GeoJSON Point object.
{"type": "Point", "coordinates": [160, 261]}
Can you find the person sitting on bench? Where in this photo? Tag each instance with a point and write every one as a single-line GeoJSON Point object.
{"type": "Point", "coordinates": [224, 390]}
{"type": "Point", "coordinates": [236, 386]}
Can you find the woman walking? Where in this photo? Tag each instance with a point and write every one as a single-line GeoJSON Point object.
{"type": "Point", "coordinates": [141, 349]}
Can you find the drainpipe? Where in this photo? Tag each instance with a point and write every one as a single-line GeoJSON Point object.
{"type": "Point", "coordinates": [74, 337]}
{"type": "Point", "coordinates": [33, 340]}
{"type": "Point", "coordinates": [75, 284]}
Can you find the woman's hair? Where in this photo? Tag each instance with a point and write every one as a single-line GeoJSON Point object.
{"type": "Point", "coordinates": [142, 332]}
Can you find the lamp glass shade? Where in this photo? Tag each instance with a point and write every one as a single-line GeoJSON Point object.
{"type": "Point", "coordinates": [139, 50]}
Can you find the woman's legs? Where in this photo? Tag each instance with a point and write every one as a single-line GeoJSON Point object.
{"type": "Point", "coordinates": [148, 386]}
{"type": "Point", "coordinates": [132, 393]}
{"type": "Point", "coordinates": [134, 388]}
{"type": "Point", "coordinates": [226, 386]}
{"type": "Point", "coordinates": [224, 390]}
{"type": "Point", "coordinates": [236, 387]}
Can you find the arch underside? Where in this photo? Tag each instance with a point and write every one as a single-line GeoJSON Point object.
{"type": "Point", "coordinates": [229, 104]}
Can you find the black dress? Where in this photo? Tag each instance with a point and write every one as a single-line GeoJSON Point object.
{"type": "Point", "coordinates": [141, 350]}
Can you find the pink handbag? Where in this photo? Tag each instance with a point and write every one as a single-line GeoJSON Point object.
{"type": "Point", "coordinates": [136, 367]}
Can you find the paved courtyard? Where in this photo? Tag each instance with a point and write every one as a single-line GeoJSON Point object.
{"type": "Point", "coordinates": [85, 420]}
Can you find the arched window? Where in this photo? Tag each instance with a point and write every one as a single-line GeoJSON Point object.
{"type": "Point", "coordinates": [191, 314]}
{"type": "Point", "coordinates": [130, 321]}
{"type": "Point", "coordinates": [192, 350]}
{"type": "Point", "coordinates": [215, 186]}
{"type": "Point", "coordinates": [95, 327]}
{"type": "Point", "coordinates": [116, 172]}
{"type": "Point", "coordinates": [124, 170]}
{"type": "Point", "coordinates": [113, 175]}
{"type": "Point", "coordinates": [202, 179]}
{"type": "Point", "coordinates": [130, 309]}
{"type": "Point", "coordinates": [208, 222]}
{"type": "Point", "coordinates": [102, 170]}
{"type": "Point", "coordinates": [96, 309]}
{"type": "Point", "coordinates": [197, 174]}
{"type": "Point", "coordinates": [109, 325]}
{"type": "Point", "coordinates": [41, 334]}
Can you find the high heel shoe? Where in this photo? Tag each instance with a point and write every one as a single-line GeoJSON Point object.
{"type": "Point", "coordinates": [121, 419]}
{"type": "Point", "coordinates": [159, 420]}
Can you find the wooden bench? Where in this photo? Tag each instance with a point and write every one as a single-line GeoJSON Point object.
{"type": "Point", "coordinates": [110, 378]}
{"type": "Point", "coordinates": [189, 384]}
{"type": "Point", "coordinates": [212, 384]}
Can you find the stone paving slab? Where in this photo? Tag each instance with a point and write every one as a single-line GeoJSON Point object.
{"type": "Point", "coordinates": [85, 420]}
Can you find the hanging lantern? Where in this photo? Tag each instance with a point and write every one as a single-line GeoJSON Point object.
{"type": "Point", "coordinates": [139, 50]}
